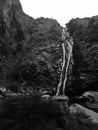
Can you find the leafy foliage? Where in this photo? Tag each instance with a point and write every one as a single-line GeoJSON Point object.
{"type": "Point", "coordinates": [30, 48]}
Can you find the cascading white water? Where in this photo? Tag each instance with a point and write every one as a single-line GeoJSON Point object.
{"type": "Point", "coordinates": [67, 45]}
{"type": "Point", "coordinates": [67, 52]}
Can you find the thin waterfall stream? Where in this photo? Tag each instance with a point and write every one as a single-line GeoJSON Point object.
{"type": "Point", "coordinates": [67, 45]}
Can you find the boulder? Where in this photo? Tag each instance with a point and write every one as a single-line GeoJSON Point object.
{"type": "Point", "coordinates": [89, 115]}
{"type": "Point", "coordinates": [45, 96]}
{"type": "Point", "coordinates": [91, 100]}
{"type": "Point", "coordinates": [60, 98]}
{"type": "Point", "coordinates": [87, 97]}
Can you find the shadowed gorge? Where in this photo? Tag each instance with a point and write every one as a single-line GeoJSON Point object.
{"type": "Point", "coordinates": [48, 73]}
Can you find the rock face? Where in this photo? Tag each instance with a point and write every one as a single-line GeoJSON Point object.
{"type": "Point", "coordinates": [90, 116]}
{"type": "Point", "coordinates": [90, 100]}
{"type": "Point", "coordinates": [30, 50]}
{"type": "Point", "coordinates": [85, 53]}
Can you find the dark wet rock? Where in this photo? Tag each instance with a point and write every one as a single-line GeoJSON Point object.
{"type": "Point", "coordinates": [85, 54]}
{"type": "Point", "coordinates": [45, 97]}
{"type": "Point", "coordinates": [88, 115]}
{"type": "Point", "coordinates": [86, 97]}
{"type": "Point", "coordinates": [92, 101]}
{"type": "Point", "coordinates": [60, 98]}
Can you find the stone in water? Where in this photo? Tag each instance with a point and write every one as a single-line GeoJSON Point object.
{"type": "Point", "coordinates": [60, 98]}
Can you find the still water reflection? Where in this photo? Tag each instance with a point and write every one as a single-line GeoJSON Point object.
{"type": "Point", "coordinates": [31, 113]}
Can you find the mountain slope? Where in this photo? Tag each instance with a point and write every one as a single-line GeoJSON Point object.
{"type": "Point", "coordinates": [85, 53]}
{"type": "Point", "coordinates": [30, 48]}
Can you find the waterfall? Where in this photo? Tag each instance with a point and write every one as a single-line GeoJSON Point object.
{"type": "Point", "coordinates": [67, 45]}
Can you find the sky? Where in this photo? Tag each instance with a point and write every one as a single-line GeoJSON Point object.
{"type": "Point", "coordinates": [61, 10]}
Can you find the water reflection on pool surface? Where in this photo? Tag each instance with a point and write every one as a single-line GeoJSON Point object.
{"type": "Point", "coordinates": [31, 113]}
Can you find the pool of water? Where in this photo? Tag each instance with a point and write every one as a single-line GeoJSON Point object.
{"type": "Point", "coordinates": [32, 113]}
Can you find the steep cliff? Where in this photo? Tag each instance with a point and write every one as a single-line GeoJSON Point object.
{"type": "Point", "coordinates": [85, 53]}
{"type": "Point", "coordinates": [30, 50]}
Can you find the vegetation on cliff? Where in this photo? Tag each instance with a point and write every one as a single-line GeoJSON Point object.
{"type": "Point", "coordinates": [30, 50]}
{"type": "Point", "coordinates": [85, 35]}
